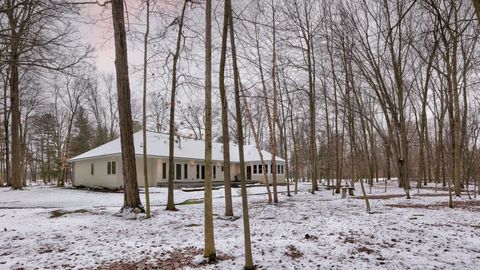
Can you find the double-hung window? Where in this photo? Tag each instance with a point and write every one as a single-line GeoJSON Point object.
{"type": "Point", "coordinates": [111, 167]}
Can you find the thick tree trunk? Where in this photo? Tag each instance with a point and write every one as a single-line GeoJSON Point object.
{"type": "Point", "coordinates": [129, 170]}
{"type": "Point", "coordinates": [15, 110]}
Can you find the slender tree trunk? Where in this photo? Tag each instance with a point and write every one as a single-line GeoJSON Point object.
{"type": "Point", "coordinates": [6, 121]}
{"type": "Point", "coordinates": [238, 111]}
{"type": "Point", "coordinates": [312, 111]}
{"type": "Point", "coordinates": [257, 143]}
{"type": "Point", "coordinates": [283, 136]}
{"type": "Point", "coordinates": [295, 172]}
{"type": "Point", "coordinates": [129, 170]}
{"type": "Point", "coordinates": [327, 121]}
{"type": "Point", "coordinates": [171, 134]}
{"type": "Point", "coordinates": [209, 251]}
{"type": "Point", "coordinates": [267, 105]}
{"type": "Point", "coordinates": [273, 138]}
{"type": "Point", "coordinates": [225, 131]}
{"type": "Point", "coordinates": [145, 66]}
{"type": "Point", "coordinates": [338, 163]}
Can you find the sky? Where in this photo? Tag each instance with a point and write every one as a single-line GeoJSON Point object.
{"type": "Point", "coordinates": [97, 30]}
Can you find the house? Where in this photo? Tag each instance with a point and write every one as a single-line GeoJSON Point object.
{"type": "Point", "coordinates": [102, 166]}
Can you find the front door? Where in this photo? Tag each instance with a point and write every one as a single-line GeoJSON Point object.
{"type": "Point", "coordinates": [249, 172]}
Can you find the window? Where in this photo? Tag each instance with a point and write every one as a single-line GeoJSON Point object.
{"type": "Point", "coordinates": [178, 172]}
{"type": "Point", "coordinates": [185, 171]}
{"type": "Point", "coordinates": [278, 169]}
{"type": "Point", "coordinates": [260, 169]}
{"type": "Point", "coordinates": [92, 169]}
{"type": "Point", "coordinates": [271, 168]}
{"type": "Point", "coordinates": [281, 169]}
{"type": "Point", "coordinates": [222, 168]}
{"type": "Point", "coordinates": [198, 171]}
{"type": "Point", "coordinates": [203, 171]}
{"type": "Point", "coordinates": [214, 171]}
{"type": "Point", "coordinates": [164, 170]}
{"type": "Point", "coordinates": [254, 169]}
{"type": "Point", "coordinates": [114, 167]}
{"type": "Point", "coordinates": [111, 167]}
{"type": "Point", "coordinates": [266, 168]}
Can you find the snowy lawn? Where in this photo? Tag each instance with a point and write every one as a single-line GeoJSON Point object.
{"type": "Point", "coordinates": [47, 227]}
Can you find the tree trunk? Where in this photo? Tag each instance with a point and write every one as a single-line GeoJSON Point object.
{"type": "Point", "coordinates": [129, 171]}
{"type": "Point", "coordinates": [6, 121]}
{"type": "Point", "coordinates": [273, 138]}
{"type": "Point", "coordinates": [15, 110]}
{"type": "Point", "coordinates": [312, 110]}
{"type": "Point", "coordinates": [171, 134]}
{"type": "Point", "coordinates": [238, 112]}
{"type": "Point", "coordinates": [225, 131]}
{"type": "Point", "coordinates": [209, 251]}
{"type": "Point", "coordinates": [144, 116]}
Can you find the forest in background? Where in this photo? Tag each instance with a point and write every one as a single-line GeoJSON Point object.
{"type": "Point", "coordinates": [340, 89]}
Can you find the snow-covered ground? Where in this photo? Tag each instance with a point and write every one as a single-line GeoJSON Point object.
{"type": "Point", "coordinates": [305, 231]}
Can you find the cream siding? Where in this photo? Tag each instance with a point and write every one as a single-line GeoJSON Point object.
{"type": "Point", "coordinates": [100, 178]}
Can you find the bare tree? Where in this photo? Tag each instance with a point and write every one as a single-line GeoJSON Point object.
{"type": "Point", "coordinates": [238, 112]}
{"type": "Point", "coordinates": [171, 138]}
{"type": "Point", "coordinates": [209, 251]}
{"type": "Point", "coordinates": [33, 40]}
{"type": "Point", "coordinates": [225, 129]}
{"type": "Point", "coordinates": [129, 170]}
{"type": "Point", "coordinates": [145, 65]}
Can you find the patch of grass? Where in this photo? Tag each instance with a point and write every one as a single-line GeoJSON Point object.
{"type": "Point", "coordinates": [190, 201]}
{"type": "Point", "coordinates": [365, 250]}
{"type": "Point", "coordinates": [233, 218]}
{"type": "Point", "coordinates": [193, 225]}
{"type": "Point", "coordinates": [293, 252]}
{"type": "Point", "coordinates": [59, 212]}
{"type": "Point", "coordinates": [472, 205]}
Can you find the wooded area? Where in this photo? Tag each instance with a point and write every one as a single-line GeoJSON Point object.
{"type": "Point", "coordinates": [349, 93]}
{"type": "Point", "coordinates": [376, 88]}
